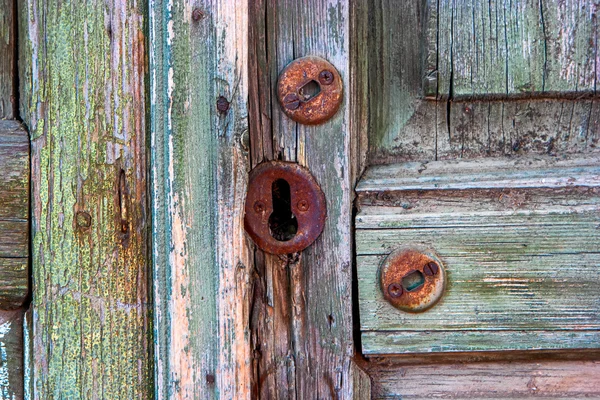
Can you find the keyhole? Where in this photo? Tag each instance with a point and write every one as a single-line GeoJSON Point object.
{"type": "Point", "coordinates": [310, 90]}
{"type": "Point", "coordinates": [413, 281]}
{"type": "Point", "coordinates": [282, 222]}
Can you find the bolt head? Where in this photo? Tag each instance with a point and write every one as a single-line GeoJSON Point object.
{"type": "Point", "coordinates": [326, 77]}
{"type": "Point", "coordinates": [303, 205]}
{"type": "Point", "coordinates": [259, 207]}
{"type": "Point", "coordinates": [395, 290]}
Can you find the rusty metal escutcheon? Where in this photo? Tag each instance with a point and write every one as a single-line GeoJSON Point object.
{"type": "Point", "coordinates": [412, 279]}
{"type": "Point", "coordinates": [306, 108]}
{"type": "Point", "coordinates": [306, 202]}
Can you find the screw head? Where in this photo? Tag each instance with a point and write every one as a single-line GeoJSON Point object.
{"type": "Point", "coordinates": [395, 290]}
{"type": "Point", "coordinates": [303, 205]}
{"type": "Point", "coordinates": [291, 101]}
{"type": "Point", "coordinates": [259, 207]}
{"type": "Point", "coordinates": [326, 77]}
{"type": "Point", "coordinates": [197, 14]}
{"type": "Point", "coordinates": [431, 269]}
{"type": "Point", "coordinates": [222, 104]}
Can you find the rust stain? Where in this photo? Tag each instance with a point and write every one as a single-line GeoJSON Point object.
{"type": "Point", "coordinates": [301, 107]}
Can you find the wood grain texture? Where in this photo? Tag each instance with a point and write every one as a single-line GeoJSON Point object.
{"type": "Point", "coordinates": [559, 119]}
{"type": "Point", "coordinates": [524, 379]}
{"type": "Point", "coordinates": [489, 173]}
{"type": "Point", "coordinates": [502, 48]}
{"type": "Point", "coordinates": [14, 214]}
{"type": "Point", "coordinates": [201, 263]}
{"type": "Point", "coordinates": [302, 307]}
{"type": "Point", "coordinates": [8, 63]}
{"type": "Point", "coordinates": [522, 263]}
{"type": "Point", "coordinates": [11, 355]}
{"type": "Point", "coordinates": [83, 100]}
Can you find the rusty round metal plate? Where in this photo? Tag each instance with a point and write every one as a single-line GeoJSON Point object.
{"type": "Point", "coordinates": [293, 90]}
{"type": "Point", "coordinates": [412, 280]}
{"type": "Point", "coordinates": [306, 202]}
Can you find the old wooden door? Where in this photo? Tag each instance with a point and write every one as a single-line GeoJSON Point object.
{"type": "Point", "coordinates": [468, 130]}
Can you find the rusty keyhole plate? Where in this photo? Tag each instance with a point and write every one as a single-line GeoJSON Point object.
{"type": "Point", "coordinates": [306, 202]}
{"type": "Point", "coordinates": [294, 81]}
{"type": "Point", "coordinates": [412, 280]}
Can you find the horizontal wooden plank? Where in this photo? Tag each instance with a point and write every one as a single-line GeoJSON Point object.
{"type": "Point", "coordinates": [528, 172]}
{"type": "Point", "coordinates": [14, 164]}
{"type": "Point", "coordinates": [14, 282]}
{"type": "Point", "coordinates": [13, 238]}
{"type": "Point", "coordinates": [378, 343]}
{"type": "Point", "coordinates": [494, 292]}
{"type": "Point", "coordinates": [499, 49]}
{"type": "Point", "coordinates": [14, 214]}
{"type": "Point", "coordinates": [485, 380]}
{"type": "Point", "coordinates": [11, 355]}
{"type": "Point", "coordinates": [521, 263]}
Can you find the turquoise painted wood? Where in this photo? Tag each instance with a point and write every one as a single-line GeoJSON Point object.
{"type": "Point", "coordinates": [202, 265]}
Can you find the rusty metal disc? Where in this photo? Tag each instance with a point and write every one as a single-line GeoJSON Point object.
{"type": "Point", "coordinates": [293, 84]}
{"type": "Point", "coordinates": [408, 266]}
{"type": "Point", "coordinates": [307, 203]}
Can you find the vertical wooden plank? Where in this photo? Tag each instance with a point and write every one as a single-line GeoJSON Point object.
{"type": "Point", "coordinates": [202, 268]}
{"type": "Point", "coordinates": [302, 315]}
{"type": "Point", "coordinates": [84, 104]}
{"type": "Point", "coordinates": [8, 60]}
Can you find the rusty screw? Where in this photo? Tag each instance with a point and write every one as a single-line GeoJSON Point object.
{"type": "Point", "coordinates": [197, 14]}
{"type": "Point", "coordinates": [395, 290]}
{"type": "Point", "coordinates": [222, 104]}
{"type": "Point", "coordinates": [259, 207]}
{"type": "Point", "coordinates": [303, 205]}
{"type": "Point", "coordinates": [431, 269]}
{"type": "Point", "coordinates": [291, 101]}
{"type": "Point", "coordinates": [326, 77]}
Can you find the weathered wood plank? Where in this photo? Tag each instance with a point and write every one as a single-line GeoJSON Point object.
{"type": "Point", "coordinates": [518, 259]}
{"type": "Point", "coordinates": [14, 214]}
{"type": "Point", "coordinates": [557, 379]}
{"type": "Point", "coordinates": [14, 164]}
{"type": "Point", "coordinates": [405, 127]}
{"type": "Point", "coordinates": [201, 263]}
{"type": "Point", "coordinates": [11, 355]}
{"type": "Point", "coordinates": [14, 281]}
{"type": "Point", "coordinates": [493, 292]}
{"type": "Point", "coordinates": [490, 173]}
{"type": "Point", "coordinates": [499, 49]}
{"type": "Point", "coordinates": [8, 64]}
{"type": "Point", "coordinates": [408, 342]}
{"type": "Point", "coordinates": [302, 318]}
{"type": "Point", "coordinates": [83, 100]}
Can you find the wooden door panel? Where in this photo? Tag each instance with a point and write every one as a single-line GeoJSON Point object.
{"type": "Point", "coordinates": [519, 242]}
{"type": "Point", "coordinates": [501, 49]}
{"type": "Point", "coordinates": [483, 129]}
